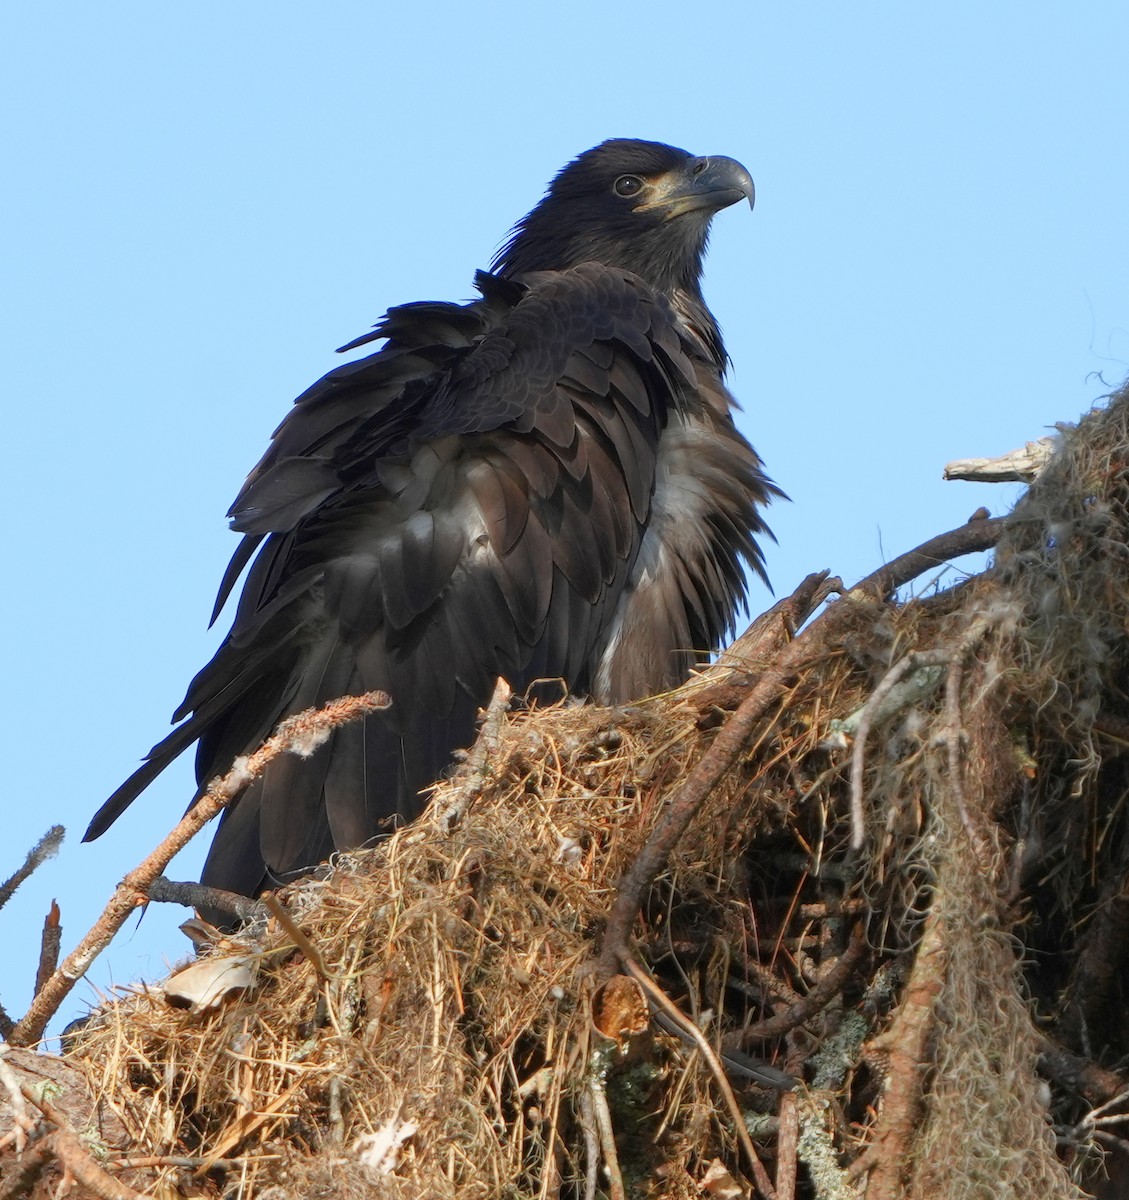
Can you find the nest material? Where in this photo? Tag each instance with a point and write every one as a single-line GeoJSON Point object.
{"type": "Point", "coordinates": [452, 990]}
{"type": "Point", "coordinates": [948, 995]}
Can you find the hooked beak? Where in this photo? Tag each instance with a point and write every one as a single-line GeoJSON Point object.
{"type": "Point", "coordinates": [703, 183]}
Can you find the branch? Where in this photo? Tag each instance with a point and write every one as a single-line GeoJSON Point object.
{"type": "Point", "coordinates": [876, 709]}
{"type": "Point", "coordinates": [199, 895]}
{"type": "Point", "coordinates": [816, 641]}
{"type": "Point", "coordinates": [594, 1108]}
{"type": "Point", "coordinates": [778, 625]}
{"type": "Point", "coordinates": [1017, 466]}
{"type": "Point", "coordinates": [906, 1044]}
{"type": "Point", "coordinates": [787, 1145]}
{"type": "Point", "coordinates": [975, 536]}
{"type": "Point", "coordinates": [665, 1005]}
{"type": "Point", "coordinates": [47, 847]}
{"type": "Point", "coordinates": [49, 944]}
{"type": "Point", "coordinates": [1077, 1074]}
{"type": "Point", "coordinates": [300, 734]}
{"type": "Point", "coordinates": [764, 638]}
{"type": "Point", "coordinates": [66, 1146]}
{"type": "Point", "coordinates": [475, 771]}
{"type": "Point", "coordinates": [312, 954]}
{"type": "Point", "coordinates": [828, 987]}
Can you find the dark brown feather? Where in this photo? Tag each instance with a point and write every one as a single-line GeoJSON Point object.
{"type": "Point", "coordinates": [544, 484]}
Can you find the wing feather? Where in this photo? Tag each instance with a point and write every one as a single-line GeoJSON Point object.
{"type": "Point", "coordinates": [469, 501]}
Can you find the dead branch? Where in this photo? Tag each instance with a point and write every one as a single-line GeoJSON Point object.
{"type": "Point", "coordinates": [601, 1113]}
{"type": "Point", "coordinates": [296, 734]}
{"type": "Point", "coordinates": [198, 895]}
{"type": "Point", "coordinates": [976, 536]}
{"type": "Point", "coordinates": [673, 1013]}
{"type": "Point", "coordinates": [1079, 1075]}
{"type": "Point", "coordinates": [764, 638]}
{"type": "Point", "coordinates": [46, 848]}
{"type": "Point", "coordinates": [906, 1046]}
{"type": "Point", "coordinates": [474, 774]}
{"type": "Point", "coordinates": [1017, 466]}
{"type": "Point", "coordinates": [590, 1129]}
{"type": "Point", "coordinates": [778, 625]}
{"type": "Point", "coordinates": [312, 953]}
{"type": "Point", "coordinates": [828, 987]}
{"type": "Point", "coordinates": [817, 641]}
{"type": "Point", "coordinates": [877, 708]}
{"type": "Point", "coordinates": [22, 1124]}
{"type": "Point", "coordinates": [49, 944]}
{"type": "Point", "coordinates": [787, 1145]}
{"type": "Point", "coordinates": [66, 1147]}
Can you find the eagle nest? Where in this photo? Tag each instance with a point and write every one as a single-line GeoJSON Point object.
{"type": "Point", "coordinates": [844, 916]}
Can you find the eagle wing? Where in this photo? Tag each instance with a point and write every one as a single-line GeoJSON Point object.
{"type": "Point", "coordinates": [468, 502]}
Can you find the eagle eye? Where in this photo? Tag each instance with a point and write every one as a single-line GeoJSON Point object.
{"type": "Point", "coordinates": [628, 185]}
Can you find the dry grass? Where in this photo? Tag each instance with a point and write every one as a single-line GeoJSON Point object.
{"type": "Point", "coordinates": [450, 983]}
{"type": "Point", "coordinates": [454, 990]}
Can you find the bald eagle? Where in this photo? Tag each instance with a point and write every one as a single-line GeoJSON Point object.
{"type": "Point", "coordinates": [545, 483]}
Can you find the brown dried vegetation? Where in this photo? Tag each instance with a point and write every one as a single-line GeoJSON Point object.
{"type": "Point", "coordinates": [887, 855]}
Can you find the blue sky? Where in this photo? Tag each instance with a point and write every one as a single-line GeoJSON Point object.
{"type": "Point", "coordinates": [202, 201]}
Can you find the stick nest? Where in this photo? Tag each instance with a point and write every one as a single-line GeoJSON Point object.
{"type": "Point", "coordinates": [906, 892]}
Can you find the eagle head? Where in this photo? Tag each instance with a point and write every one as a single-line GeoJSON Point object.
{"type": "Point", "coordinates": [642, 206]}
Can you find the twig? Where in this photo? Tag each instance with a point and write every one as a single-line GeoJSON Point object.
{"type": "Point", "coordinates": [591, 1145]}
{"type": "Point", "coordinates": [808, 647]}
{"type": "Point", "coordinates": [787, 1145]}
{"type": "Point", "coordinates": [954, 746]}
{"type": "Point", "coordinates": [22, 1124]}
{"type": "Point", "coordinates": [965, 539]}
{"type": "Point", "coordinates": [906, 1044]}
{"type": "Point", "coordinates": [1101, 1112]}
{"type": "Point", "coordinates": [1079, 1075]}
{"type": "Point", "coordinates": [1109, 1139]}
{"type": "Point", "coordinates": [804, 1009]}
{"type": "Point", "coordinates": [199, 895]}
{"type": "Point", "coordinates": [675, 1014]}
{"type": "Point", "coordinates": [867, 718]}
{"type": "Point", "coordinates": [187, 1163]}
{"type": "Point", "coordinates": [602, 1113]}
{"type": "Point", "coordinates": [477, 765]}
{"type": "Point", "coordinates": [942, 656]}
{"type": "Point", "coordinates": [295, 733]}
{"type": "Point", "coordinates": [1017, 466]}
{"type": "Point", "coordinates": [766, 981]}
{"type": "Point", "coordinates": [47, 847]}
{"type": "Point", "coordinates": [312, 954]}
{"type": "Point", "coordinates": [67, 1147]}
{"type": "Point", "coordinates": [49, 944]}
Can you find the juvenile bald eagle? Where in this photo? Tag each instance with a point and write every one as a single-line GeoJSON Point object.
{"type": "Point", "coordinates": [543, 484]}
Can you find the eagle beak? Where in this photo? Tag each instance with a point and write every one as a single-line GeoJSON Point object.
{"type": "Point", "coordinates": [703, 183]}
